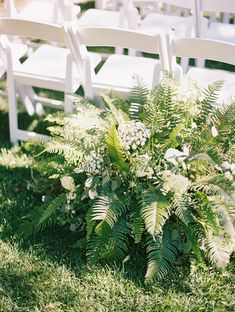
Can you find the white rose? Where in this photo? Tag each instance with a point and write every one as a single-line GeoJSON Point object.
{"type": "Point", "coordinates": [176, 183]}
{"type": "Point", "coordinates": [67, 183]}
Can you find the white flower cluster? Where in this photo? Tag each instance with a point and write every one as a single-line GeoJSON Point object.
{"type": "Point", "coordinates": [174, 182]}
{"type": "Point", "coordinates": [230, 170]}
{"type": "Point", "coordinates": [94, 162]}
{"type": "Point", "coordinates": [133, 134]}
{"type": "Point", "coordinates": [188, 91]}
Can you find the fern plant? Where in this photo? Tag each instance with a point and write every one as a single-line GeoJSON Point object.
{"type": "Point", "coordinates": [158, 174]}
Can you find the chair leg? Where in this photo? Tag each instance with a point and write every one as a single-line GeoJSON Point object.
{"type": "Point", "coordinates": [26, 99]}
{"type": "Point", "coordinates": [13, 116]}
{"type": "Point", "coordinates": [68, 103]}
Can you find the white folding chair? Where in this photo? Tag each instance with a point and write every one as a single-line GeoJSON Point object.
{"type": "Point", "coordinates": [216, 30]}
{"type": "Point", "coordinates": [208, 49]}
{"type": "Point", "coordinates": [19, 50]}
{"type": "Point", "coordinates": [116, 74]}
{"type": "Point", "coordinates": [109, 18]}
{"type": "Point", "coordinates": [159, 22]}
{"type": "Point", "coordinates": [52, 11]}
{"type": "Point", "coordinates": [49, 67]}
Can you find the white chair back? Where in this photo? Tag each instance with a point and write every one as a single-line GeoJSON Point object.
{"type": "Point", "coordinates": [225, 6]}
{"type": "Point", "coordinates": [63, 10]}
{"type": "Point", "coordinates": [80, 38]}
{"type": "Point", "coordinates": [32, 29]}
{"type": "Point", "coordinates": [199, 48]}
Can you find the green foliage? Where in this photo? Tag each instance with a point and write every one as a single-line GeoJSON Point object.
{"type": "Point", "coordinates": [154, 172]}
{"type": "Point", "coordinates": [162, 255]}
{"type": "Point", "coordinates": [114, 150]}
{"type": "Point", "coordinates": [41, 217]}
{"type": "Point", "coordinates": [155, 210]}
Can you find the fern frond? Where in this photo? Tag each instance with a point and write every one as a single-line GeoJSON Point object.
{"type": "Point", "coordinates": [111, 245]}
{"type": "Point", "coordinates": [135, 110]}
{"type": "Point", "coordinates": [226, 214]}
{"type": "Point", "coordinates": [210, 97]}
{"type": "Point", "coordinates": [181, 208]}
{"type": "Point", "coordinates": [69, 151]}
{"type": "Point", "coordinates": [139, 92]}
{"type": "Point", "coordinates": [137, 222]}
{"type": "Point", "coordinates": [80, 244]}
{"type": "Point", "coordinates": [154, 211]}
{"type": "Point", "coordinates": [224, 119]}
{"type": "Point", "coordinates": [162, 255]}
{"type": "Point", "coordinates": [41, 217]}
{"type": "Point", "coordinates": [107, 209]}
{"type": "Point", "coordinates": [117, 246]}
{"type": "Point", "coordinates": [217, 249]}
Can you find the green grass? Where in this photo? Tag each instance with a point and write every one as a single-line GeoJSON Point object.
{"type": "Point", "coordinates": [44, 274]}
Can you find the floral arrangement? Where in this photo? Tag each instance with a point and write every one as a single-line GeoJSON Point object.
{"type": "Point", "coordinates": [154, 171]}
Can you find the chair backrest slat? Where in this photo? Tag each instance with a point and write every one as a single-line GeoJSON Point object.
{"type": "Point", "coordinates": [26, 28]}
{"type": "Point", "coordinates": [226, 6]}
{"type": "Point", "coordinates": [185, 4]}
{"type": "Point", "coordinates": [203, 48]}
{"type": "Point", "coordinates": [110, 37]}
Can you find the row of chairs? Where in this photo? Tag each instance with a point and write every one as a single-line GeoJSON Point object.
{"type": "Point", "coordinates": [67, 68]}
{"type": "Point", "coordinates": [58, 11]}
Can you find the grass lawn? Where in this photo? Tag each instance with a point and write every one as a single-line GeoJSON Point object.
{"type": "Point", "coordinates": [45, 274]}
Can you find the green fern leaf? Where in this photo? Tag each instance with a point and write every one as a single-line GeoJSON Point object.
{"type": "Point", "coordinates": [107, 209]}
{"type": "Point", "coordinates": [137, 223]}
{"type": "Point", "coordinates": [154, 211]}
{"type": "Point", "coordinates": [210, 97]}
{"type": "Point", "coordinates": [41, 217]}
{"type": "Point", "coordinates": [162, 255]}
{"type": "Point", "coordinates": [217, 249]}
{"type": "Point", "coordinates": [115, 151]}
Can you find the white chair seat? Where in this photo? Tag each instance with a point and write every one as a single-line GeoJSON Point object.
{"type": "Point", "coordinates": [118, 71]}
{"type": "Point", "coordinates": [222, 32]}
{"type": "Point", "coordinates": [158, 23]}
{"type": "Point", "coordinates": [204, 76]}
{"type": "Point", "coordinates": [99, 18]}
{"type": "Point", "coordinates": [49, 62]}
{"type": "Point", "coordinates": [34, 9]}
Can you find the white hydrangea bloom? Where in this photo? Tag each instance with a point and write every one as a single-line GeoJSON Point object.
{"type": "Point", "coordinates": [94, 162]}
{"type": "Point", "coordinates": [133, 134]}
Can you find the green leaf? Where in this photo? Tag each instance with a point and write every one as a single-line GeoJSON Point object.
{"type": "Point", "coordinates": [114, 150]}
{"type": "Point", "coordinates": [108, 209]}
{"type": "Point", "coordinates": [162, 255]}
{"type": "Point", "coordinates": [155, 210]}
{"type": "Point", "coordinates": [41, 217]}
